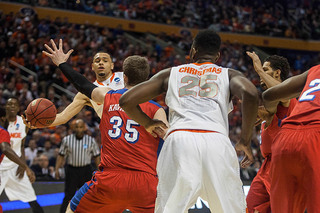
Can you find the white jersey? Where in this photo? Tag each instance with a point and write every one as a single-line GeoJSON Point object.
{"type": "Point", "coordinates": [17, 131]}
{"type": "Point", "coordinates": [114, 82]}
{"type": "Point", "coordinates": [198, 97]}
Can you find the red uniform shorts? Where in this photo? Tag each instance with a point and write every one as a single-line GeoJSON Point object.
{"type": "Point", "coordinates": [258, 197]}
{"type": "Point", "coordinates": [115, 190]}
{"type": "Point", "coordinates": [295, 170]}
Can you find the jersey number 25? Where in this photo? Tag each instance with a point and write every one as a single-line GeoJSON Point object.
{"type": "Point", "coordinates": [208, 89]}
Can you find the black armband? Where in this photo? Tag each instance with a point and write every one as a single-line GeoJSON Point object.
{"type": "Point", "coordinates": [79, 81]}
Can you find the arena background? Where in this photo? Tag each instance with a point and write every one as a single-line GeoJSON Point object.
{"type": "Point", "coordinates": [290, 29]}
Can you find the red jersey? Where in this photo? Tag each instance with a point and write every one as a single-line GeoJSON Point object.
{"type": "Point", "coordinates": [4, 138]}
{"type": "Point", "coordinates": [307, 110]}
{"type": "Point", "coordinates": [268, 134]}
{"type": "Point", "coordinates": [126, 144]}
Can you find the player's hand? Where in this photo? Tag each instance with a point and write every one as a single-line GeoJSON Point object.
{"type": "Point", "coordinates": [248, 158]}
{"type": "Point", "coordinates": [31, 175]}
{"type": "Point", "coordinates": [156, 128]}
{"type": "Point", "coordinates": [263, 115]}
{"type": "Point", "coordinates": [57, 55]}
{"type": "Point", "coordinates": [57, 174]}
{"type": "Point", "coordinates": [256, 61]}
{"type": "Point", "coordinates": [27, 123]}
{"type": "Point", "coordinates": [20, 172]}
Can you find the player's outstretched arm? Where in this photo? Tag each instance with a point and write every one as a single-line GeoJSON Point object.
{"type": "Point", "coordinates": [287, 90]}
{"type": "Point", "coordinates": [242, 88]}
{"type": "Point", "coordinates": [144, 92]}
{"type": "Point", "coordinates": [267, 79]}
{"type": "Point", "coordinates": [79, 101]}
{"type": "Point", "coordinates": [7, 151]}
{"type": "Point", "coordinates": [82, 84]}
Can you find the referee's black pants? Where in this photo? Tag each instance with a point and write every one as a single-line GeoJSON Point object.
{"type": "Point", "coordinates": [75, 178]}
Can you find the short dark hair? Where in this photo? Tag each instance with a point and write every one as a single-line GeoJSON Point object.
{"type": "Point", "coordinates": [136, 68]}
{"type": "Point", "coordinates": [281, 63]}
{"type": "Point", "coordinates": [207, 42]}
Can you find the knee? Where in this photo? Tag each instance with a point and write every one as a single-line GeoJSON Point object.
{"type": "Point", "coordinates": [69, 209]}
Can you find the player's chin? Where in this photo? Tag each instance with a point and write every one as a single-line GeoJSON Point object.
{"type": "Point", "coordinates": [102, 74]}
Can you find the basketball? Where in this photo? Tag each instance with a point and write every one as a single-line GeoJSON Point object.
{"type": "Point", "coordinates": [41, 112]}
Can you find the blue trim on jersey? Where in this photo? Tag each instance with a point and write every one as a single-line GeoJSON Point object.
{"type": "Point", "coordinates": [155, 103]}
{"type": "Point", "coordinates": [280, 121]}
{"type": "Point", "coordinates": [120, 91]}
{"type": "Point", "coordinates": [1, 127]}
{"type": "Point", "coordinates": [77, 197]}
{"type": "Point", "coordinates": [161, 142]}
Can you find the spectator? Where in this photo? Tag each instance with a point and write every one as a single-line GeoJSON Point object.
{"type": "Point", "coordinates": [31, 151]}
{"type": "Point", "coordinates": [41, 168]}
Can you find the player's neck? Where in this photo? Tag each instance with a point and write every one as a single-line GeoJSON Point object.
{"type": "Point", "coordinates": [203, 60]}
{"type": "Point", "coordinates": [102, 79]}
{"type": "Point", "coordinates": [12, 118]}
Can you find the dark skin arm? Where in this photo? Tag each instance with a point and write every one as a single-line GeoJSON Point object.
{"type": "Point", "coordinates": [290, 88]}
{"type": "Point", "coordinates": [59, 164]}
{"type": "Point", "coordinates": [144, 92]}
{"type": "Point", "coordinates": [7, 151]}
{"type": "Point", "coordinates": [20, 170]}
{"type": "Point", "coordinates": [242, 88]}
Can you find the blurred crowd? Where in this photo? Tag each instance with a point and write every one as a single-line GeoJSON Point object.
{"type": "Point", "coordinates": [291, 19]}
{"type": "Point", "coordinates": [22, 40]}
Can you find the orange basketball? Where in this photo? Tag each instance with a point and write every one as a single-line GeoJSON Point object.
{"type": "Point", "coordinates": [41, 112]}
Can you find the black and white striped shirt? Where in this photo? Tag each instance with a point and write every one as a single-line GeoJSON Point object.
{"type": "Point", "coordinates": [79, 152]}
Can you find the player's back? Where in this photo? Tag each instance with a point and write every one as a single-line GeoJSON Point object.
{"type": "Point", "coordinates": [307, 109]}
{"type": "Point", "coordinates": [126, 144]}
{"type": "Point", "coordinates": [198, 97]}
{"type": "Point", "coordinates": [115, 81]}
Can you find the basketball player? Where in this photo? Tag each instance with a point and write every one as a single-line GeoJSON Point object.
{"type": "Point", "coordinates": [13, 179]}
{"type": "Point", "coordinates": [102, 66]}
{"type": "Point", "coordinates": [275, 69]}
{"type": "Point", "coordinates": [5, 149]}
{"type": "Point", "coordinates": [197, 158]}
{"type": "Point", "coordinates": [127, 178]}
{"type": "Point", "coordinates": [295, 168]}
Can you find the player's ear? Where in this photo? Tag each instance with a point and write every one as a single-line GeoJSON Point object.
{"type": "Point", "coordinates": [112, 65]}
{"type": "Point", "coordinates": [277, 74]}
{"type": "Point", "coordinates": [125, 79]}
{"type": "Point", "coordinates": [217, 57]}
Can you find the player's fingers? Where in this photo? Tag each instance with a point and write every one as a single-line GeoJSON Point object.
{"type": "Point", "coordinates": [69, 52]}
{"type": "Point", "coordinates": [154, 134]}
{"type": "Point", "coordinates": [48, 48]}
{"type": "Point", "coordinates": [60, 44]}
{"type": "Point", "coordinates": [258, 121]}
{"type": "Point", "coordinates": [249, 53]}
{"type": "Point", "coordinates": [54, 46]}
{"type": "Point", "coordinates": [47, 54]}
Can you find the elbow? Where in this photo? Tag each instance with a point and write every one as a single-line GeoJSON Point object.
{"type": "Point", "coordinates": [266, 96]}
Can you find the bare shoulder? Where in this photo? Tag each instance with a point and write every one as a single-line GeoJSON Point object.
{"type": "Point", "coordinates": [163, 76]}
{"type": "Point", "coordinates": [233, 73]}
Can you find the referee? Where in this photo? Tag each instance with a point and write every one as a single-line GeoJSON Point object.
{"type": "Point", "coordinates": [78, 149]}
